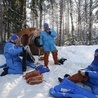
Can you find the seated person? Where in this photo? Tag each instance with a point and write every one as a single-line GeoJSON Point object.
{"type": "Point", "coordinates": [12, 49]}
{"type": "Point", "coordinates": [89, 75]}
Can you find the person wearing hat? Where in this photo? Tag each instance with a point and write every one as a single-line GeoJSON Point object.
{"type": "Point", "coordinates": [12, 49]}
{"type": "Point", "coordinates": [91, 72]}
{"type": "Point", "coordinates": [47, 41]}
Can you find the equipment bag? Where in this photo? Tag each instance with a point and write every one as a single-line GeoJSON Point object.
{"type": "Point", "coordinates": [33, 77]}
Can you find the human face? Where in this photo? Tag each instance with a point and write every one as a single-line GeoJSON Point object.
{"type": "Point", "coordinates": [46, 28]}
{"type": "Point", "coordinates": [17, 42]}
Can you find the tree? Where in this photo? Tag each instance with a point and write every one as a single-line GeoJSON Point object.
{"type": "Point", "coordinates": [60, 21]}
{"type": "Point", "coordinates": [72, 26]}
{"type": "Point", "coordinates": [90, 23]}
{"type": "Point", "coordinates": [1, 22]}
{"type": "Point", "coordinates": [14, 16]}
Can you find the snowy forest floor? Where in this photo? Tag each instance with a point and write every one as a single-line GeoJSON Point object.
{"type": "Point", "coordinates": [15, 86]}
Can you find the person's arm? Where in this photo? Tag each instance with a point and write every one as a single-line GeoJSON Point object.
{"type": "Point", "coordinates": [30, 64]}
{"type": "Point", "coordinates": [14, 51]}
{"type": "Point", "coordinates": [53, 33]}
{"type": "Point", "coordinates": [88, 67]}
{"type": "Point", "coordinates": [93, 74]}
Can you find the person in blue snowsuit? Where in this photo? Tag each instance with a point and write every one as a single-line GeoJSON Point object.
{"type": "Point", "coordinates": [47, 41]}
{"type": "Point", "coordinates": [92, 72]}
{"type": "Point", "coordinates": [12, 49]}
{"type": "Point", "coordinates": [68, 89]}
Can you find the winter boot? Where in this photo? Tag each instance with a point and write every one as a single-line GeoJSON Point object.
{"type": "Point", "coordinates": [5, 71]}
{"type": "Point", "coordinates": [55, 58]}
{"type": "Point", "coordinates": [60, 79]}
{"type": "Point", "coordinates": [46, 56]}
{"type": "Point", "coordinates": [62, 60]}
{"type": "Point", "coordinates": [66, 75]}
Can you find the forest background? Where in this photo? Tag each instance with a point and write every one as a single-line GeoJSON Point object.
{"type": "Point", "coordinates": [75, 21]}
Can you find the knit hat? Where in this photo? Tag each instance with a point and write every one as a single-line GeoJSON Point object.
{"type": "Point", "coordinates": [95, 61]}
{"type": "Point", "coordinates": [46, 25]}
{"type": "Point", "coordinates": [96, 50]}
{"type": "Point", "coordinates": [14, 37]}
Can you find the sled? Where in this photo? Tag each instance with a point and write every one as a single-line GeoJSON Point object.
{"type": "Point", "coordinates": [31, 74]}
{"type": "Point", "coordinates": [33, 77]}
{"type": "Point", "coordinates": [35, 80]}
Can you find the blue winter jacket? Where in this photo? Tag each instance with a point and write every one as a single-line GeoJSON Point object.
{"type": "Point", "coordinates": [93, 74]}
{"type": "Point", "coordinates": [47, 40]}
{"type": "Point", "coordinates": [13, 61]}
{"type": "Point", "coordinates": [68, 89]}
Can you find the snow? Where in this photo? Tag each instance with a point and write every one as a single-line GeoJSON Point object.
{"type": "Point", "coordinates": [15, 86]}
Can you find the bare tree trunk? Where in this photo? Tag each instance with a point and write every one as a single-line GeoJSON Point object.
{"type": "Point", "coordinates": [40, 25]}
{"type": "Point", "coordinates": [67, 23]}
{"type": "Point", "coordinates": [72, 26]}
{"type": "Point", "coordinates": [23, 13]}
{"type": "Point", "coordinates": [90, 23]}
{"type": "Point", "coordinates": [79, 21]}
{"type": "Point", "coordinates": [60, 29]}
{"type": "Point", "coordinates": [63, 35]}
{"type": "Point", "coordinates": [52, 15]}
{"type": "Point", "coordinates": [85, 26]}
{"type": "Point", "coordinates": [37, 22]}
{"type": "Point", "coordinates": [1, 22]}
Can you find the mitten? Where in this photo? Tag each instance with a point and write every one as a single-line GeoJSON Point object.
{"type": "Point", "coordinates": [26, 47]}
{"type": "Point", "coordinates": [40, 46]}
{"type": "Point", "coordinates": [49, 32]}
{"type": "Point", "coordinates": [83, 73]}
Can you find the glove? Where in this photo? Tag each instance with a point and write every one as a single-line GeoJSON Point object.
{"type": "Point", "coordinates": [26, 47]}
{"type": "Point", "coordinates": [83, 72]}
{"type": "Point", "coordinates": [49, 32]}
{"type": "Point", "coordinates": [40, 46]}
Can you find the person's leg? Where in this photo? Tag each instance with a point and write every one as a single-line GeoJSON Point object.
{"type": "Point", "coordinates": [46, 56]}
{"type": "Point", "coordinates": [55, 58]}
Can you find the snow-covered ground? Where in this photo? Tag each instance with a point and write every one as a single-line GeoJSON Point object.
{"type": "Point", "coordinates": [15, 86]}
